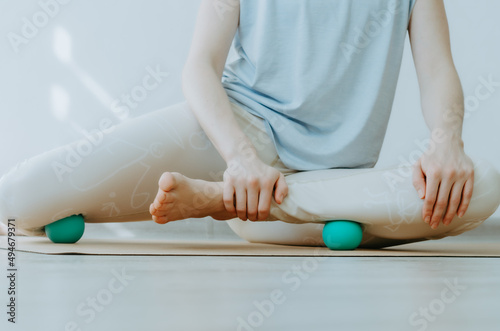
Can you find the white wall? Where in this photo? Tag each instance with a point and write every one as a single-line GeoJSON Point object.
{"type": "Point", "coordinates": [91, 52]}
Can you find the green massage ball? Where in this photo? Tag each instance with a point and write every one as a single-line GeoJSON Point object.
{"type": "Point", "coordinates": [342, 235]}
{"type": "Point", "coordinates": [67, 230]}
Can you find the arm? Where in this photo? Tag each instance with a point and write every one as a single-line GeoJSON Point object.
{"type": "Point", "coordinates": [444, 175]}
{"type": "Point", "coordinates": [248, 182]}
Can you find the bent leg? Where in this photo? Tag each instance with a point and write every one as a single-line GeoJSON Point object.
{"type": "Point", "coordinates": [111, 175]}
{"type": "Point", "coordinates": [383, 200]}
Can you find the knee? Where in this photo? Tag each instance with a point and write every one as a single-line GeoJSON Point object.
{"type": "Point", "coordinates": [15, 202]}
{"type": "Point", "coordinates": [7, 190]}
{"type": "Point", "coordinates": [486, 193]}
{"type": "Point", "coordinates": [7, 199]}
{"type": "Point", "coordinates": [3, 201]}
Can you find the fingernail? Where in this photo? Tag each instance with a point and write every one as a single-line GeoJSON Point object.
{"type": "Point", "coordinates": [434, 226]}
{"type": "Point", "coordinates": [427, 219]}
{"type": "Point", "coordinates": [460, 214]}
{"type": "Point", "coordinates": [421, 193]}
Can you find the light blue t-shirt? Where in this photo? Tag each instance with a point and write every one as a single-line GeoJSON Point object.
{"type": "Point", "coordinates": [322, 74]}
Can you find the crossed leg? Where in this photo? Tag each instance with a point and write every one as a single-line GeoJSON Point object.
{"type": "Point", "coordinates": [112, 175]}
{"type": "Point", "coordinates": [383, 200]}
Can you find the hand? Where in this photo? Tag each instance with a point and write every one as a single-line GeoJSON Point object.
{"type": "Point", "coordinates": [248, 188]}
{"type": "Point", "coordinates": [444, 177]}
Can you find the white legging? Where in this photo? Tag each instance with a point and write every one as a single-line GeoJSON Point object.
{"type": "Point", "coordinates": [112, 175]}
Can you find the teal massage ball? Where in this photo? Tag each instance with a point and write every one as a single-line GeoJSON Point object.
{"type": "Point", "coordinates": [67, 230]}
{"type": "Point", "coordinates": [342, 235]}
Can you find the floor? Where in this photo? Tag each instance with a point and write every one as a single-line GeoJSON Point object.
{"type": "Point", "coordinates": [95, 293]}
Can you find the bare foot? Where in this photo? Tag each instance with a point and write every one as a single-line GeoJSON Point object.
{"type": "Point", "coordinates": [180, 197]}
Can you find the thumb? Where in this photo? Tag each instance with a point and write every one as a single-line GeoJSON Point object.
{"type": "Point", "coordinates": [281, 189]}
{"type": "Point", "coordinates": [419, 179]}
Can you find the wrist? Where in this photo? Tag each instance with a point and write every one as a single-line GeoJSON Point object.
{"type": "Point", "coordinates": [242, 151]}
{"type": "Point", "coordinates": [451, 144]}
{"type": "Point", "coordinates": [447, 139]}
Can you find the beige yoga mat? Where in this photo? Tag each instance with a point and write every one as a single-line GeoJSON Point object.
{"type": "Point", "coordinates": [43, 245]}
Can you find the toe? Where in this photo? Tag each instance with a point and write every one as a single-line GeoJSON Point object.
{"type": "Point", "coordinates": [167, 181]}
{"type": "Point", "coordinates": [157, 205]}
{"type": "Point", "coordinates": [161, 219]}
{"type": "Point", "coordinates": [164, 206]}
{"type": "Point", "coordinates": [152, 209]}
{"type": "Point", "coordinates": [161, 196]}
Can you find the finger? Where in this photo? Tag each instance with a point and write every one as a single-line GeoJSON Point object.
{"type": "Point", "coordinates": [419, 179]}
{"type": "Point", "coordinates": [228, 197]}
{"type": "Point", "coordinates": [252, 202]}
{"type": "Point", "coordinates": [466, 196]}
{"type": "Point", "coordinates": [431, 190]}
{"type": "Point", "coordinates": [241, 203]}
{"type": "Point", "coordinates": [454, 202]}
{"type": "Point", "coordinates": [441, 204]}
{"type": "Point", "coordinates": [266, 194]}
{"type": "Point", "coordinates": [281, 189]}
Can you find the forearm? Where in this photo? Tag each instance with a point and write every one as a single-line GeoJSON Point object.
{"type": "Point", "coordinates": [444, 175]}
{"type": "Point", "coordinates": [209, 102]}
{"type": "Point", "coordinates": [443, 104]}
